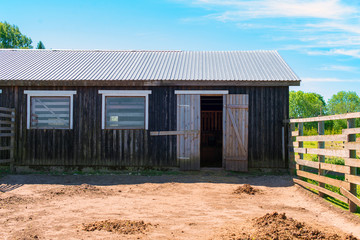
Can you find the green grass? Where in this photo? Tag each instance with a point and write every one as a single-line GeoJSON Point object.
{"type": "Point", "coordinates": [334, 201]}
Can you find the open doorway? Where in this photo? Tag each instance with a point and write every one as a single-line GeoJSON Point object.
{"type": "Point", "coordinates": [211, 131]}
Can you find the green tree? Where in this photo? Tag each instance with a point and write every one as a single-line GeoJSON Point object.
{"type": "Point", "coordinates": [304, 105]}
{"type": "Point", "coordinates": [40, 45]}
{"type": "Point", "coordinates": [343, 102]}
{"type": "Point", "coordinates": [11, 37]}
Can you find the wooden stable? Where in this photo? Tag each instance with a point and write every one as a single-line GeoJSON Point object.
{"type": "Point", "coordinates": [195, 119]}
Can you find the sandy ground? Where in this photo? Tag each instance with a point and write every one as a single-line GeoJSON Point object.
{"type": "Point", "coordinates": [191, 206]}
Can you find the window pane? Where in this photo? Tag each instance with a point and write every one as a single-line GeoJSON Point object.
{"type": "Point", "coordinates": [125, 112]}
{"type": "Point", "coordinates": [50, 112]}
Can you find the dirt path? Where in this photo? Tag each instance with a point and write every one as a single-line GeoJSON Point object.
{"type": "Point", "coordinates": [193, 206]}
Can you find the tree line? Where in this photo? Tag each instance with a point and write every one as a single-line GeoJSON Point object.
{"type": "Point", "coordinates": [11, 37]}
{"type": "Point", "coordinates": [304, 105]}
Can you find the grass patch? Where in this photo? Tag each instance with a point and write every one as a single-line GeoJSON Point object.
{"type": "Point", "coordinates": [330, 199]}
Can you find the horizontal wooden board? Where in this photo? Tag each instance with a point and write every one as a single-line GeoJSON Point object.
{"type": "Point", "coordinates": [294, 144]}
{"type": "Point", "coordinates": [352, 162]}
{"type": "Point", "coordinates": [307, 163]}
{"type": "Point", "coordinates": [167, 133]}
{"type": "Point", "coordinates": [327, 118]}
{"type": "Point", "coordinates": [323, 179]}
{"type": "Point", "coordinates": [321, 189]}
{"type": "Point", "coordinates": [7, 128]}
{"type": "Point", "coordinates": [350, 196]}
{"type": "Point", "coordinates": [240, 106]}
{"type": "Point", "coordinates": [6, 160]}
{"type": "Point", "coordinates": [6, 148]}
{"type": "Point", "coordinates": [7, 122]}
{"type": "Point", "coordinates": [335, 168]}
{"type": "Point", "coordinates": [7, 109]}
{"type": "Point", "coordinates": [6, 115]}
{"type": "Point", "coordinates": [324, 166]}
{"type": "Point", "coordinates": [328, 152]}
{"type": "Point", "coordinates": [352, 145]}
{"type": "Point", "coordinates": [7, 134]}
{"type": "Point", "coordinates": [322, 138]}
{"type": "Point", "coordinates": [295, 133]}
{"type": "Point", "coordinates": [300, 150]}
{"type": "Point", "coordinates": [353, 179]}
{"type": "Point", "coordinates": [351, 131]}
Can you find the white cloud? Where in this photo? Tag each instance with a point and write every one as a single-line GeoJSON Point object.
{"type": "Point", "coordinates": [325, 9]}
{"type": "Point", "coordinates": [347, 52]}
{"type": "Point", "coordinates": [309, 79]}
{"type": "Point", "coordinates": [339, 68]}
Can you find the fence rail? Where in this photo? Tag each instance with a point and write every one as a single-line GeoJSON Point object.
{"type": "Point", "coordinates": [319, 170]}
{"type": "Point", "coordinates": [7, 135]}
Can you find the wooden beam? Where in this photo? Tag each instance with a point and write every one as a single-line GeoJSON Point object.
{"type": "Point", "coordinates": [352, 162]}
{"type": "Point", "coordinates": [168, 133]}
{"type": "Point", "coordinates": [241, 106]}
{"type": "Point", "coordinates": [295, 133]}
{"type": "Point", "coordinates": [7, 109]}
{"type": "Point", "coordinates": [327, 118]}
{"type": "Point", "coordinates": [323, 179]}
{"type": "Point", "coordinates": [7, 134]}
{"type": "Point", "coordinates": [335, 168]}
{"type": "Point", "coordinates": [321, 189]}
{"type": "Point", "coordinates": [300, 150]}
{"type": "Point", "coordinates": [307, 163]}
{"type": "Point", "coordinates": [328, 152]}
{"type": "Point", "coordinates": [6, 148]}
{"type": "Point", "coordinates": [294, 144]}
{"type": "Point", "coordinates": [351, 131]}
{"type": "Point", "coordinates": [5, 115]}
{"type": "Point", "coordinates": [352, 145]}
{"type": "Point", "coordinates": [6, 160]}
{"type": "Point", "coordinates": [350, 196]}
{"type": "Point", "coordinates": [323, 138]}
{"type": "Point", "coordinates": [352, 179]}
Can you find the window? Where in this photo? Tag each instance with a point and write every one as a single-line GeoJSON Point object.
{"type": "Point", "coordinates": [124, 109]}
{"type": "Point", "coordinates": [49, 109]}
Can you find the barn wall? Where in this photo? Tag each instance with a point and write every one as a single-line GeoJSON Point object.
{"type": "Point", "coordinates": [88, 145]}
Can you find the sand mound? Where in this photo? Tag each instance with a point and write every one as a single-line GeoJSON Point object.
{"type": "Point", "coordinates": [14, 200]}
{"type": "Point", "coordinates": [246, 188]}
{"type": "Point", "coordinates": [118, 226]}
{"type": "Point", "coordinates": [83, 189]}
{"type": "Point", "coordinates": [279, 226]}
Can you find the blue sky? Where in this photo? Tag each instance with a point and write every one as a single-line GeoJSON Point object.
{"type": "Point", "coordinates": [319, 39]}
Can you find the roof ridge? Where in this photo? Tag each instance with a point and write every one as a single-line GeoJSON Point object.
{"type": "Point", "coordinates": [115, 50]}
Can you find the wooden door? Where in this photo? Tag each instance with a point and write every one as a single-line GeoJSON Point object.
{"type": "Point", "coordinates": [188, 122]}
{"type": "Point", "coordinates": [235, 132]}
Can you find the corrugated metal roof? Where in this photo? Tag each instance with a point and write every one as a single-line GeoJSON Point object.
{"type": "Point", "coordinates": [144, 65]}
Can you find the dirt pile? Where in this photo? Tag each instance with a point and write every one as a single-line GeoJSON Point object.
{"type": "Point", "coordinates": [83, 189]}
{"type": "Point", "coordinates": [118, 226]}
{"type": "Point", "coordinates": [14, 200]}
{"type": "Point", "coordinates": [279, 226]}
{"type": "Point", "coordinates": [246, 188]}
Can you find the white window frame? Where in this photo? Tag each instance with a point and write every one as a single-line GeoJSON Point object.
{"type": "Point", "coordinates": [203, 92]}
{"type": "Point", "coordinates": [49, 93]}
{"type": "Point", "coordinates": [125, 93]}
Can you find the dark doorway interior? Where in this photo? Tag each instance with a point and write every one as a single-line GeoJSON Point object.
{"type": "Point", "coordinates": [211, 131]}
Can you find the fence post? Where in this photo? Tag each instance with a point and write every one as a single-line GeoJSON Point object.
{"type": "Point", "coordinates": [301, 133]}
{"type": "Point", "coordinates": [352, 154]}
{"type": "Point", "coordinates": [321, 158]}
{"type": "Point", "coordinates": [291, 153]}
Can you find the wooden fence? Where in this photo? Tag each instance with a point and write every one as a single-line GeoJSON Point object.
{"type": "Point", "coordinates": [324, 172]}
{"type": "Point", "coordinates": [7, 135]}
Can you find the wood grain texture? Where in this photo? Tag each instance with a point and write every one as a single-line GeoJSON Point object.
{"type": "Point", "coordinates": [88, 145]}
{"type": "Point", "coordinates": [235, 152]}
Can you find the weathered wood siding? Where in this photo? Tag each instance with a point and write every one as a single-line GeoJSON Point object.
{"type": "Point", "coordinates": [87, 145]}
